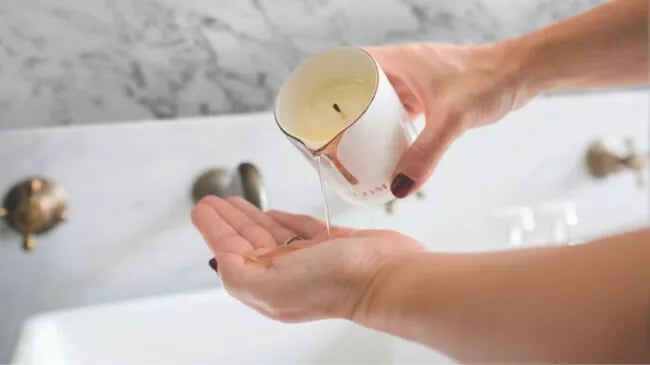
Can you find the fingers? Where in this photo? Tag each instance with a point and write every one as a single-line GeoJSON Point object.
{"type": "Point", "coordinates": [279, 233]}
{"type": "Point", "coordinates": [306, 226]}
{"type": "Point", "coordinates": [391, 61]}
{"type": "Point", "coordinates": [217, 233]}
{"type": "Point", "coordinates": [418, 161]}
{"type": "Point", "coordinates": [235, 273]}
{"type": "Point", "coordinates": [257, 235]}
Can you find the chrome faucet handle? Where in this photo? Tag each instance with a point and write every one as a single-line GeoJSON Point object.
{"type": "Point", "coordinates": [521, 219]}
{"type": "Point", "coordinates": [563, 215]}
{"type": "Point", "coordinates": [245, 181]}
{"type": "Point", "coordinates": [252, 186]}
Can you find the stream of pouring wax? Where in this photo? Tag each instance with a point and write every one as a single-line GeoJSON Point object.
{"type": "Point", "coordinates": [330, 109]}
{"type": "Point", "coordinates": [323, 190]}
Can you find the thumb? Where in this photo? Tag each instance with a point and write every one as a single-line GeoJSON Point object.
{"type": "Point", "coordinates": [419, 160]}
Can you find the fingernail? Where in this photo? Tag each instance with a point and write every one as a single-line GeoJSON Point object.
{"type": "Point", "coordinates": [213, 265]}
{"type": "Point", "coordinates": [401, 186]}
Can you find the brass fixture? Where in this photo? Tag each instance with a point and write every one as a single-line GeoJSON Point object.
{"type": "Point", "coordinates": [602, 161]}
{"type": "Point", "coordinates": [34, 206]}
{"type": "Point", "coordinates": [245, 182]}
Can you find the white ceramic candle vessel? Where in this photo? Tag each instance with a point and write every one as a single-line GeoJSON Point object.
{"type": "Point", "coordinates": [339, 105]}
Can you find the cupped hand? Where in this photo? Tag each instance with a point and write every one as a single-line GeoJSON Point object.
{"type": "Point", "coordinates": [457, 88]}
{"type": "Point", "coordinates": [312, 278]}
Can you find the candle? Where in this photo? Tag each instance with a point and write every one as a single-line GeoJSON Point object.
{"type": "Point", "coordinates": [330, 108]}
{"type": "Point", "coordinates": [339, 107]}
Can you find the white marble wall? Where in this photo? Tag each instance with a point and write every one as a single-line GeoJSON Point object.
{"type": "Point", "coordinates": [89, 61]}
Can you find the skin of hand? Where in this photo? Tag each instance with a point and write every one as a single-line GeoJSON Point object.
{"type": "Point", "coordinates": [314, 278]}
{"type": "Point", "coordinates": [456, 88]}
{"type": "Point", "coordinates": [576, 304]}
{"type": "Point", "coordinates": [586, 303]}
{"type": "Point", "coordinates": [462, 87]}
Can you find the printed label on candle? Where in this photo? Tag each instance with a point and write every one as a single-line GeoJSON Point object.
{"type": "Point", "coordinates": [378, 190]}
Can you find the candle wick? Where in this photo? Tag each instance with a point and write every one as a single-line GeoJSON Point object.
{"type": "Point", "coordinates": [336, 107]}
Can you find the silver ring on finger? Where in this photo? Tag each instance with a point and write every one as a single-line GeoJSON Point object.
{"type": "Point", "coordinates": [292, 239]}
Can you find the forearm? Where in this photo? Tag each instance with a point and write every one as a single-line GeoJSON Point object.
{"type": "Point", "coordinates": [586, 303]}
{"type": "Point", "coordinates": [605, 47]}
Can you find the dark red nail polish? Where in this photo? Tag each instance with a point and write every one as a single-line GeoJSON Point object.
{"type": "Point", "coordinates": [401, 186]}
{"type": "Point", "coordinates": [213, 265]}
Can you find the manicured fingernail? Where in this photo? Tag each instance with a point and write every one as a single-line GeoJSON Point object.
{"type": "Point", "coordinates": [401, 186]}
{"type": "Point", "coordinates": [213, 265]}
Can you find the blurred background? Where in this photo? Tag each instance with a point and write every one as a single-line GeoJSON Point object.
{"type": "Point", "coordinates": [124, 103]}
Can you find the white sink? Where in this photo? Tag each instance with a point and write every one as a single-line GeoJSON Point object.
{"type": "Point", "coordinates": [200, 328]}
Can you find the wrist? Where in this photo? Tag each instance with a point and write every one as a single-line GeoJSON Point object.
{"type": "Point", "coordinates": [517, 59]}
{"type": "Point", "coordinates": [381, 294]}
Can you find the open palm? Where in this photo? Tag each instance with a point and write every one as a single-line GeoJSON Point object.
{"type": "Point", "coordinates": [315, 277]}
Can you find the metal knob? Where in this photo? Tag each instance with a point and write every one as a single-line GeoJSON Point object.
{"type": "Point", "coordinates": [602, 161]}
{"type": "Point", "coordinates": [563, 216]}
{"type": "Point", "coordinates": [34, 206]}
{"type": "Point", "coordinates": [245, 181]}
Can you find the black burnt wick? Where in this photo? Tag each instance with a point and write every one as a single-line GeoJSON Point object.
{"type": "Point", "coordinates": [336, 107]}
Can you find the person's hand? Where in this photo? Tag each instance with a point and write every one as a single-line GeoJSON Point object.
{"type": "Point", "coordinates": [312, 278]}
{"type": "Point", "coordinates": [457, 88]}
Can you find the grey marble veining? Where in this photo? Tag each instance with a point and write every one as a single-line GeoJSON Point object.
{"type": "Point", "coordinates": [88, 61]}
